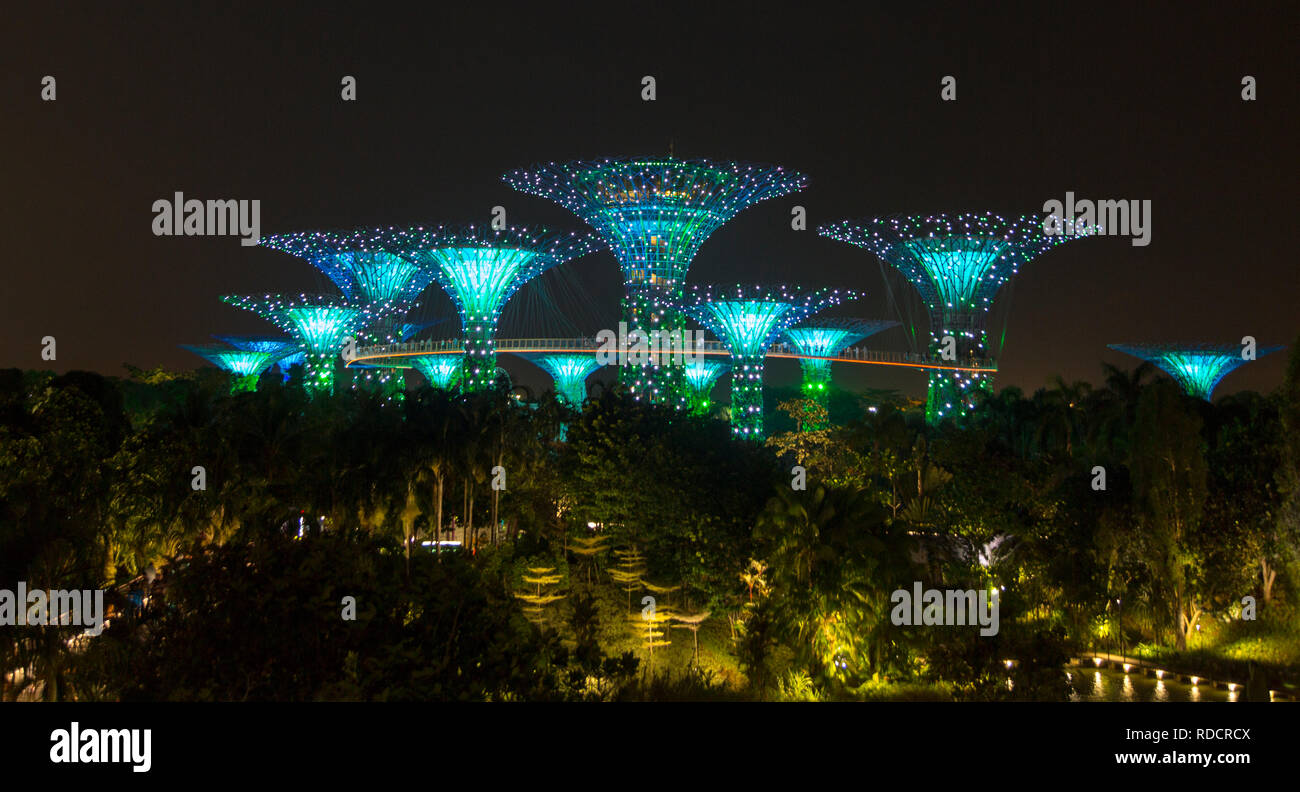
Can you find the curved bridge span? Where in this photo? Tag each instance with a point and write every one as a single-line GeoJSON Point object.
{"type": "Point", "coordinates": [392, 355]}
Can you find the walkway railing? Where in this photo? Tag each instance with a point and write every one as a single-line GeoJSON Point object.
{"type": "Point", "coordinates": [450, 346]}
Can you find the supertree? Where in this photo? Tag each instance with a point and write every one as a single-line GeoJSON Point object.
{"type": "Point", "coordinates": [318, 322]}
{"type": "Point", "coordinates": [569, 372]}
{"type": "Point", "coordinates": [364, 263]}
{"type": "Point", "coordinates": [957, 262]}
{"type": "Point", "coordinates": [655, 213]}
{"type": "Point", "coordinates": [441, 370]}
{"type": "Point", "coordinates": [480, 269]}
{"type": "Point", "coordinates": [298, 357]}
{"type": "Point", "coordinates": [245, 366]}
{"type": "Point", "coordinates": [367, 266]}
{"type": "Point", "coordinates": [700, 376]}
{"type": "Point", "coordinates": [748, 319]}
{"type": "Point", "coordinates": [825, 338]}
{"type": "Point", "coordinates": [277, 346]}
{"type": "Point", "coordinates": [285, 351]}
{"type": "Point", "coordinates": [1198, 368]}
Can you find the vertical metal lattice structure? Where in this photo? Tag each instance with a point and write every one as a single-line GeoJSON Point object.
{"type": "Point", "coordinates": [441, 370]}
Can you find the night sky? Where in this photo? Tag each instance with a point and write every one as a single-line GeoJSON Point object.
{"type": "Point", "coordinates": [243, 102]}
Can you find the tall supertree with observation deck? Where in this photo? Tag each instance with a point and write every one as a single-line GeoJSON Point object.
{"type": "Point", "coordinates": [245, 366]}
{"type": "Point", "coordinates": [957, 262]}
{"type": "Point", "coordinates": [1197, 368]}
{"type": "Point", "coordinates": [319, 323]}
{"type": "Point", "coordinates": [655, 213]}
{"type": "Point", "coordinates": [700, 376]}
{"type": "Point", "coordinates": [823, 338]}
{"type": "Point", "coordinates": [748, 319]}
{"type": "Point", "coordinates": [480, 268]}
{"type": "Point", "coordinates": [569, 372]}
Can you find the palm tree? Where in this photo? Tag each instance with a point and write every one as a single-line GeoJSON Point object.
{"type": "Point", "coordinates": [835, 559]}
{"type": "Point", "coordinates": [1061, 415]}
{"type": "Point", "coordinates": [1116, 407]}
{"type": "Point", "coordinates": [431, 416]}
{"type": "Point", "coordinates": [474, 454]}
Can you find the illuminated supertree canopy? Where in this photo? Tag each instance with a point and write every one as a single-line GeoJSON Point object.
{"type": "Point", "coordinates": [569, 372]}
{"type": "Point", "coordinates": [441, 371]}
{"type": "Point", "coordinates": [318, 322]}
{"type": "Point", "coordinates": [1198, 368]}
{"type": "Point", "coordinates": [957, 262]}
{"type": "Point", "coordinates": [480, 268]}
{"type": "Point", "coordinates": [368, 267]}
{"type": "Point", "coordinates": [748, 319]}
{"type": "Point", "coordinates": [700, 376]}
{"type": "Point", "coordinates": [296, 358]}
{"type": "Point", "coordinates": [366, 264]}
{"type": "Point", "coordinates": [246, 365]}
{"type": "Point", "coordinates": [655, 213]}
{"type": "Point", "coordinates": [277, 346]}
{"type": "Point", "coordinates": [824, 338]}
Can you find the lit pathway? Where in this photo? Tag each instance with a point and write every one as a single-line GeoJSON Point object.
{"type": "Point", "coordinates": [1147, 668]}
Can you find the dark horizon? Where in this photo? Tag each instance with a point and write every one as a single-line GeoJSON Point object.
{"type": "Point", "coordinates": [1142, 105]}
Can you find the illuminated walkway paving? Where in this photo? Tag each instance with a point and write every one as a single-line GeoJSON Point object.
{"type": "Point", "coordinates": [398, 354]}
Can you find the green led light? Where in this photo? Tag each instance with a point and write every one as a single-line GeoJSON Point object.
{"type": "Point", "coordinates": [1197, 368]}
{"type": "Point", "coordinates": [246, 365]}
{"type": "Point", "coordinates": [748, 319]}
{"type": "Point", "coordinates": [441, 371]}
{"type": "Point", "coordinates": [655, 213]}
{"type": "Point", "coordinates": [480, 269]}
{"type": "Point", "coordinates": [568, 372]}
{"type": "Point", "coordinates": [957, 263]}
{"type": "Point", "coordinates": [319, 324]}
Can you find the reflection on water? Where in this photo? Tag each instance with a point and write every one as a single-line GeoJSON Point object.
{"type": "Point", "coordinates": [1105, 684]}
